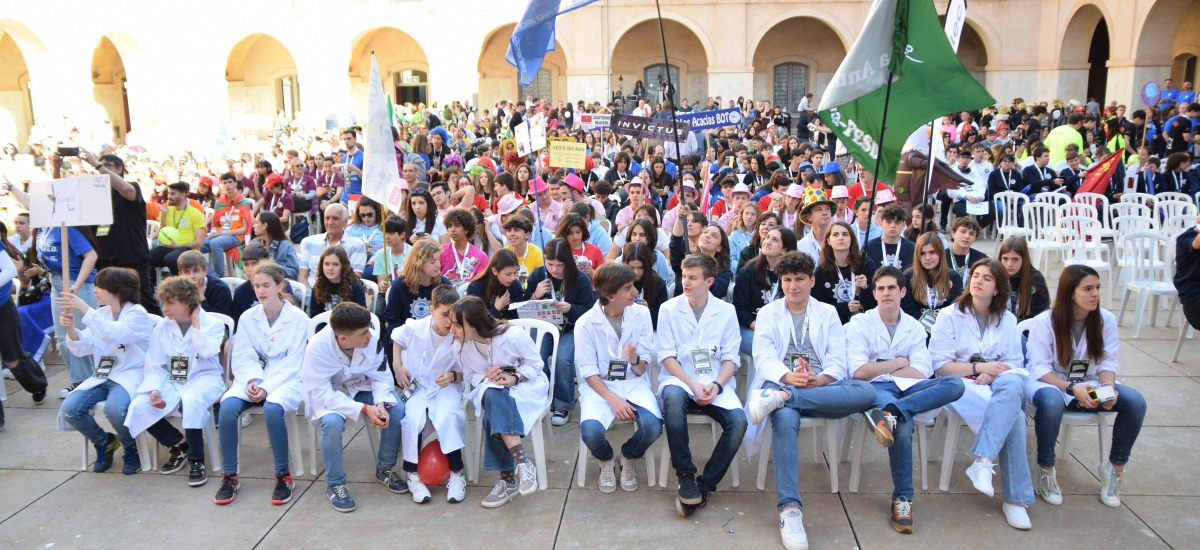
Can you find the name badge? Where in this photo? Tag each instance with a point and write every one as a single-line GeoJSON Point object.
{"type": "Point", "coordinates": [226, 223]}
{"type": "Point", "coordinates": [928, 318]}
{"type": "Point", "coordinates": [977, 358]}
{"type": "Point", "coordinates": [105, 367]}
{"type": "Point", "coordinates": [844, 292]}
{"type": "Point", "coordinates": [179, 368]}
{"type": "Point", "coordinates": [410, 390]}
{"type": "Point", "coordinates": [702, 364]}
{"type": "Point", "coordinates": [892, 260]}
{"type": "Point", "coordinates": [1077, 370]}
{"type": "Point", "coordinates": [799, 361]}
{"type": "Point", "coordinates": [102, 231]}
{"type": "Point", "coordinates": [617, 370]}
{"type": "Point", "coordinates": [262, 360]}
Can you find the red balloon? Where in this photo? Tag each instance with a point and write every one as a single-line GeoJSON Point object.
{"type": "Point", "coordinates": [432, 465]}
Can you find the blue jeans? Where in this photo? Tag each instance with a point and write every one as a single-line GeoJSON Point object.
{"type": "Point", "coordinates": [219, 245]}
{"type": "Point", "coordinates": [926, 395]}
{"type": "Point", "coordinates": [676, 403]}
{"type": "Point", "coordinates": [78, 368]}
{"type": "Point", "coordinates": [500, 417]}
{"type": "Point", "coordinates": [75, 412]}
{"type": "Point", "coordinates": [649, 427]}
{"type": "Point", "coordinates": [564, 371]}
{"type": "Point", "coordinates": [1003, 434]}
{"type": "Point", "coordinates": [747, 341]}
{"type": "Point", "coordinates": [834, 401]}
{"type": "Point", "coordinates": [276, 433]}
{"type": "Point", "coordinates": [1130, 409]}
{"type": "Point", "coordinates": [333, 424]}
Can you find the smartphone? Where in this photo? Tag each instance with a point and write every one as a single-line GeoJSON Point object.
{"type": "Point", "coordinates": [68, 151]}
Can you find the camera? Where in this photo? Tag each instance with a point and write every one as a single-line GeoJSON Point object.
{"type": "Point", "coordinates": [68, 151]}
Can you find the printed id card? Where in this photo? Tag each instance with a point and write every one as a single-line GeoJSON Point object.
{"type": "Point", "coordinates": [702, 363]}
{"type": "Point", "coordinates": [617, 370]}
{"type": "Point", "coordinates": [105, 367]}
{"type": "Point", "coordinates": [410, 390]}
{"type": "Point", "coordinates": [928, 318]}
{"type": "Point", "coordinates": [1077, 370]}
{"type": "Point", "coordinates": [262, 360]}
{"type": "Point", "coordinates": [794, 362]}
{"type": "Point", "coordinates": [179, 365]}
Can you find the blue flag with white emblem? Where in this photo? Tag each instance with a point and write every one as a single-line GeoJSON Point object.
{"type": "Point", "coordinates": [534, 36]}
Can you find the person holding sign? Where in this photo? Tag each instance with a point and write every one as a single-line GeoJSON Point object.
{"type": "Point", "coordinates": [268, 349]}
{"type": "Point", "coordinates": [344, 377]}
{"type": "Point", "coordinates": [931, 284]}
{"type": "Point", "coordinates": [886, 347]}
{"type": "Point", "coordinates": [117, 337]}
{"type": "Point", "coordinates": [78, 282]}
{"type": "Point", "coordinates": [181, 229]}
{"type": "Point", "coordinates": [183, 373]}
{"type": "Point", "coordinates": [800, 370]}
{"type": "Point", "coordinates": [1073, 366]}
{"type": "Point", "coordinates": [510, 391]}
{"type": "Point", "coordinates": [612, 355]}
{"type": "Point", "coordinates": [430, 379]}
{"type": "Point", "coordinates": [977, 339]}
{"type": "Point", "coordinates": [698, 344]}
{"type": "Point", "coordinates": [560, 280]}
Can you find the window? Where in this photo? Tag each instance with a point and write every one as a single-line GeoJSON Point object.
{"type": "Point", "coordinates": [412, 86]}
{"type": "Point", "coordinates": [287, 95]}
{"type": "Point", "coordinates": [791, 82]}
{"type": "Point", "coordinates": [540, 87]}
{"type": "Point", "coordinates": [654, 86]}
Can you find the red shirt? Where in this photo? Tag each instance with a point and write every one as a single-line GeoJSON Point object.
{"type": "Point", "coordinates": [591, 252]}
{"type": "Point", "coordinates": [857, 191]}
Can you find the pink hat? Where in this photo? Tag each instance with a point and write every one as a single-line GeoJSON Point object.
{"type": "Point", "coordinates": [841, 192]}
{"type": "Point", "coordinates": [689, 183]}
{"type": "Point", "coordinates": [740, 188]}
{"type": "Point", "coordinates": [574, 182]}
{"type": "Point", "coordinates": [635, 181]}
{"type": "Point", "coordinates": [794, 190]}
{"type": "Point", "coordinates": [538, 186]}
{"type": "Point", "coordinates": [884, 196]}
{"type": "Point", "coordinates": [507, 204]}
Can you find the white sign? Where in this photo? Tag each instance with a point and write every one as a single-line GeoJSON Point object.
{"type": "Point", "coordinates": [57, 202]}
{"type": "Point", "coordinates": [530, 135]}
{"type": "Point", "coordinates": [381, 178]}
{"type": "Point", "coordinates": [591, 121]}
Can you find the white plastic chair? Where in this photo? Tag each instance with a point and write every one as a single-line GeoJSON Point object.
{"type": "Point", "coordinates": [1057, 199]}
{"type": "Point", "coordinates": [540, 433]}
{"type": "Point", "coordinates": [1009, 207]}
{"type": "Point", "coordinates": [300, 292]}
{"type": "Point", "coordinates": [1167, 209]}
{"type": "Point", "coordinates": [1151, 274]}
{"type": "Point", "coordinates": [1185, 329]}
{"type": "Point", "coordinates": [232, 282]}
{"type": "Point", "coordinates": [1177, 224]}
{"type": "Point", "coordinates": [1173, 196]}
{"type": "Point", "coordinates": [1127, 224]}
{"type": "Point", "coordinates": [1078, 209]}
{"type": "Point", "coordinates": [581, 460]}
{"type": "Point", "coordinates": [920, 429]}
{"type": "Point", "coordinates": [697, 418]}
{"type": "Point", "coordinates": [1081, 235]}
{"type": "Point", "coordinates": [210, 429]}
{"type": "Point", "coordinates": [152, 227]}
{"type": "Point", "coordinates": [314, 325]}
{"type": "Point", "coordinates": [1042, 218]}
{"type": "Point", "coordinates": [371, 289]}
{"type": "Point", "coordinates": [1129, 209]}
{"type": "Point", "coordinates": [829, 427]}
{"type": "Point", "coordinates": [1070, 419]}
{"type": "Point", "coordinates": [1144, 199]}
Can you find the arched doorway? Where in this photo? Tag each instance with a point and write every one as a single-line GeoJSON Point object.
{"type": "Point", "coordinates": [973, 53]}
{"type": "Point", "coordinates": [262, 79]}
{"type": "Point", "coordinates": [16, 102]}
{"type": "Point", "coordinates": [403, 68]}
{"type": "Point", "coordinates": [782, 73]}
{"type": "Point", "coordinates": [498, 79]}
{"type": "Point", "coordinates": [1097, 82]}
{"type": "Point", "coordinates": [108, 86]}
{"type": "Point", "coordinates": [1083, 58]}
{"type": "Point", "coordinates": [638, 55]}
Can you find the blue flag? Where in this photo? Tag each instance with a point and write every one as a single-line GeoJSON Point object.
{"type": "Point", "coordinates": [534, 36]}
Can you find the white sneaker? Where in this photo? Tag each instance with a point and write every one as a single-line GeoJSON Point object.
{"type": "Point", "coordinates": [246, 420]}
{"type": "Point", "coordinates": [8, 375]}
{"type": "Point", "coordinates": [456, 488]}
{"type": "Point", "coordinates": [63, 393]}
{"type": "Point", "coordinates": [791, 529]}
{"type": "Point", "coordinates": [608, 478]}
{"type": "Point", "coordinates": [501, 494]}
{"type": "Point", "coordinates": [980, 473]}
{"type": "Point", "coordinates": [527, 478]}
{"type": "Point", "coordinates": [629, 481]}
{"type": "Point", "coordinates": [1110, 485]}
{"type": "Point", "coordinates": [420, 492]}
{"type": "Point", "coordinates": [1016, 516]}
{"type": "Point", "coordinates": [1048, 487]}
{"type": "Point", "coordinates": [763, 403]}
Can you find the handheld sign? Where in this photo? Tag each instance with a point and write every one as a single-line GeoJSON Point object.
{"type": "Point", "coordinates": [1151, 93]}
{"type": "Point", "coordinates": [60, 203]}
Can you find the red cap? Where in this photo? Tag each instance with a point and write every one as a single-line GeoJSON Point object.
{"type": "Point", "coordinates": [272, 181]}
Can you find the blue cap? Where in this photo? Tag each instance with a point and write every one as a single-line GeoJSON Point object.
{"type": "Point", "coordinates": [831, 167]}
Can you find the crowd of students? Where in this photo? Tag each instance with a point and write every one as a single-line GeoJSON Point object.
{"type": "Point", "coordinates": [847, 301]}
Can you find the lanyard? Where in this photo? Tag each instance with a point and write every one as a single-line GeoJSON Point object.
{"type": "Point", "coordinates": [962, 271]}
{"type": "Point", "coordinates": [980, 340]}
{"type": "Point", "coordinates": [803, 332]}
{"type": "Point", "coordinates": [932, 297]}
{"type": "Point", "coordinates": [275, 200]}
{"type": "Point", "coordinates": [1008, 181]}
{"type": "Point", "coordinates": [889, 257]}
{"type": "Point", "coordinates": [459, 261]}
{"type": "Point", "coordinates": [178, 214]}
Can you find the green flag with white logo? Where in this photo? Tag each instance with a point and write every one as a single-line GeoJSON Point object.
{"type": "Point", "coordinates": [906, 38]}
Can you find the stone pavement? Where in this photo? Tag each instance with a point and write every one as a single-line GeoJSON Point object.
{"type": "Point", "coordinates": [46, 502]}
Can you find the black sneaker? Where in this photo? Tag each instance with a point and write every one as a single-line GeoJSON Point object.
{"type": "Point", "coordinates": [882, 424]}
{"type": "Point", "coordinates": [390, 479]}
{"type": "Point", "coordinates": [39, 397]}
{"type": "Point", "coordinates": [133, 462]}
{"type": "Point", "coordinates": [689, 492]}
{"type": "Point", "coordinates": [902, 519]}
{"type": "Point", "coordinates": [558, 418]}
{"type": "Point", "coordinates": [283, 489]}
{"type": "Point", "coordinates": [105, 452]}
{"type": "Point", "coordinates": [197, 476]}
{"type": "Point", "coordinates": [176, 461]}
{"type": "Point", "coordinates": [686, 510]}
{"type": "Point", "coordinates": [228, 490]}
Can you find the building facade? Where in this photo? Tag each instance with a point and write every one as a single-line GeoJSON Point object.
{"type": "Point", "coordinates": [175, 72]}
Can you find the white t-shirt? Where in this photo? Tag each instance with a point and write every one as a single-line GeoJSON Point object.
{"type": "Point", "coordinates": [22, 247]}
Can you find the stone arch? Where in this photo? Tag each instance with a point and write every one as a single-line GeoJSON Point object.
{"type": "Point", "coordinates": [974, 52]}
{"type": "Point", "coordinates": [498, 79]}
{"type": "Point", "coordinates": [17, 44]}
{"type": "Point", "coordinates": [639, 46]}
{"type": "Point", "coordinates": [262, 78]}
{"type": "Point", "coordinates": [109, 76]}
{"type": "Point", "coordinates": [821, 59]}
{"type": "Point", "coordinates": [1074, 42]}
{"type": "Point", "coordinates": [403, 66]}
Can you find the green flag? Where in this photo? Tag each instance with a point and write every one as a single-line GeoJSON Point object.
{"type": "Point", "coordinates": [906, 38]}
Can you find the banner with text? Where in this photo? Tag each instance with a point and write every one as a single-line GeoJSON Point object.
{"type": "Point", "coordinates": [711, 119]}
{"type": "Point", "coordinates": [591, 121]}
{"type": "Point", "coordinates": [649, 128]}
{"type": "Point", "coordinates": [567, 154]}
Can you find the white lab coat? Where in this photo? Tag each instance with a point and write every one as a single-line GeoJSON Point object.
{"type": "Point", "coordinates": [283, 345]}
{"type": "Point", "coordinates": [126, 337]}
{"type": "Point", "coordinates": [329, 380]}
{"type": "Point", "coordinates": [205, 383]}
{"type": "Point", "coordinates": [955, 338]}
{"type": "Point", "coordinates": [773, 331]}
{"type": "Point", "coordinates": [717, 331]}
{"type": "Point", "coordinates": [595, 344]}
{"type": "Point", "coordinates": [1043, 353]}
{"type": "Point", "coordinates": [867, 340]}
{"type": "Point", "coordinates": [442, 406]}
{"type": "Point", "coordinates": [513, 348]}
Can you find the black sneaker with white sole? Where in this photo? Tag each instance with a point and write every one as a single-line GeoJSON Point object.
{"type": "Point", "coordinates": [176, 461]}
{"type": "Point", "coordinates": [686, 510]}
{"type": "Point", "coordinates": [197, 475]}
